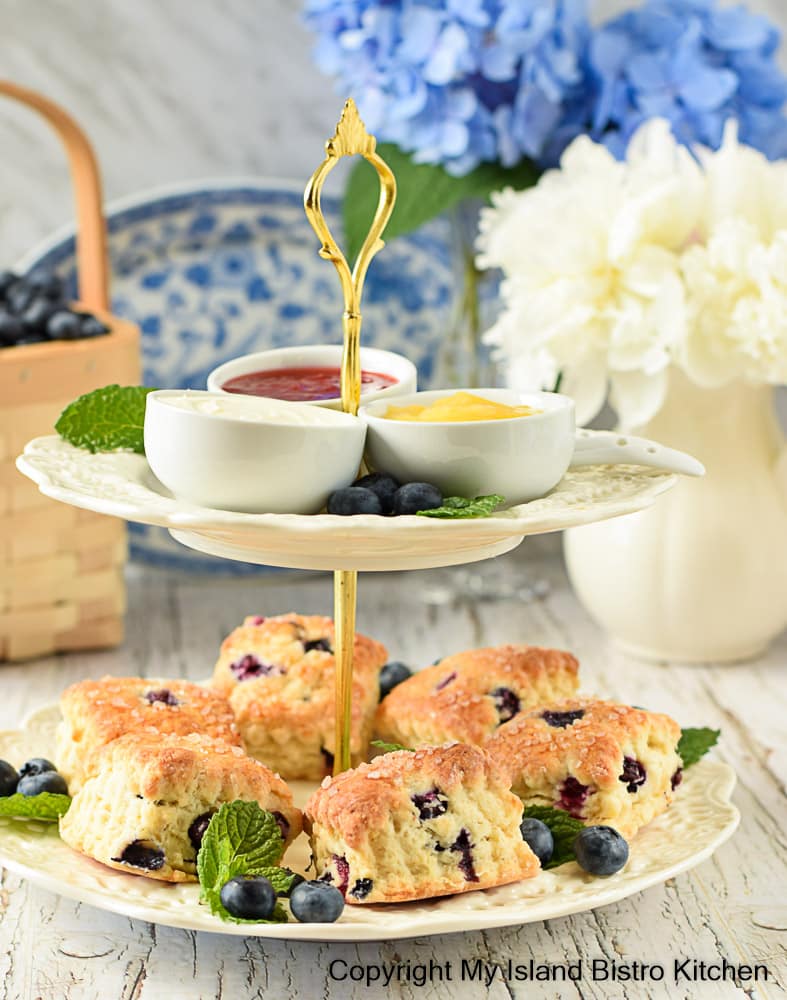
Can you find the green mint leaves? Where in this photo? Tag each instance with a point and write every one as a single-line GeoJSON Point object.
{"type": "Point", "coordinates": [241, 839]}
{"type": "Point", "coordinates": [46, 806]}
{"type": "Point", "coordinates": [106, 419]}
{"type": "Point", "coordinates": [695, 743]}
{"type": "Point", "coordinates": [389, 747]}
{"type": "Point", "coordinates": [454, 507]}
{"type": "Point", "coordinates": [564, 829]}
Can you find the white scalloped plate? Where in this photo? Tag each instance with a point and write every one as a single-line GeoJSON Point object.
{"type": "Point", "coordinates": [700, 820]}
{"type": "Point", "coordinates": [122, 484]}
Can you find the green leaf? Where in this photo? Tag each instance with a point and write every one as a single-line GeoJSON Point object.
{"type": "Point", "coordinates": [241, 839]}
{"type": "Point", "coordinates": [564, 829]}
{"type": "Point", "coordinates": [695, 743]}
{"type": "Point", "coordinates": [106, 419]}
{"type": "Point", "coordinates": [423, 191]}
{"type": "Point", "coordinates": [389, 747]}
{"type": "Point", "coordinates": [46, 806]}
{"type": "Point", "coordinates": [454, 507]}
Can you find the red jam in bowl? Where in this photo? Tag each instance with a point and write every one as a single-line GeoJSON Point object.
{"type": "Point", "coordinates": [302, 385]}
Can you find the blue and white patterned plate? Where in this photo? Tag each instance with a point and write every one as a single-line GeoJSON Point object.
{"type": "Point", "coordinates": [221, 269]}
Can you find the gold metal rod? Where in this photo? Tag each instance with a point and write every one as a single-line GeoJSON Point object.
{"type": "Point", "coordinates": [345, 588]}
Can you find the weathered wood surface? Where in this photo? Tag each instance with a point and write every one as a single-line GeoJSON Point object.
{"type": "Point", "coordinates": [731, 906]}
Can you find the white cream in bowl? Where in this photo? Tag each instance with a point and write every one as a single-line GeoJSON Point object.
{"type": "Point", "coordinates": [249, 453]}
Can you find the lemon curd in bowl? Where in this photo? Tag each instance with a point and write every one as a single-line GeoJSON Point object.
{"type": "Point", "coordinates": [457, 408]}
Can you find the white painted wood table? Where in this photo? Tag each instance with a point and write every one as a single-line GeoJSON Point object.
{"type": "Point", "coordinates": [733, 906]}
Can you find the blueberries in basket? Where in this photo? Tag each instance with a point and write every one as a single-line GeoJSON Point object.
{"type": "Point", "coordinates": [36, 317]}
{"type": "Point", "coordinates": [11, 329]}
{"type": "Point", "coordinates": [600, 850]}
{"type": "Point", "coordinates": [34, 308]}
{"type": "Point", "coordinates": [393, 673]}
{"type": "Point", "coordinates": [7, 280]}
{"type": "Point", "coordinates": [248, 897]}
{"type": "Point", "coordinates": [63, 324]}
{"type": "Point", "coordinates": [354, 500]}
{"type": "Point", "coordinates": [91, 326]}
{"type": "Point", "coordinates": [383, 485]}
{"type": "Point", "coordinates": [8, 778]}
{"type": "Point", "coordinates": [46, 285]}
{"type": "Point", "coordinates": [46, 781]}
{"type": "Point", "coordinates": [412, 497]}
{"type": "Point", "coordinates": [538, 838]}
{"type": "Point", "coordinates": [19, 297]}
{"type": "Point", "coordinates": [36, 765]}
{"type": "Point", "coordinates": [316, 903]}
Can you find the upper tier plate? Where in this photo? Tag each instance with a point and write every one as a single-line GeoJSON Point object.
{"type": "Point", "coordinates": [121, 484]}
{"type": "Point", "coordinates": [701, 818]}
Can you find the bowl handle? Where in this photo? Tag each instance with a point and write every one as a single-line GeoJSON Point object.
{"type": "Point", "coordinates": [91, 237]}
{"type": "Point", "coordinates": [610, 448]}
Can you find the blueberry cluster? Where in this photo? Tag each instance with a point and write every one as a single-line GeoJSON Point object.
{"type": "Point", "coordinates": [33, 777]}
{"type": "Point", "coordinates": [252, 897]}
{"type": "Point", "coordinates": [379, 493]}
{"type": "Point", "coordinates": [34, 309]}
{"type": "Point", "coordinates": [599, 850]}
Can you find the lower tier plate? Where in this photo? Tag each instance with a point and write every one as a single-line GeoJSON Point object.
{"type": "Point", "coordinates": [121, 484]}
{"type": "Point", "coordinates": [700, 820]}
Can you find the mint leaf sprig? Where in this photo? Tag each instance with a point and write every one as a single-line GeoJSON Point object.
{"type": "Point", "coordinates": [695, 743]}
{"type": "Point", "coordinates": [457, 507]}
{"type": "Point", "coordinates": [106, 419]}
{"type": "Point", "coordinates": [46, 806]}
{"type": "Point", "coordinates": [564, 829]}
{"type": "Point", "coordinates": [242, 839]}
{"type": "Point", "coordinates": [390, 747]}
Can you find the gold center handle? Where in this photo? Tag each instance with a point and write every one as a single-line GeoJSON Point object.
{"type": "Point", "coordinates": [349, 139]}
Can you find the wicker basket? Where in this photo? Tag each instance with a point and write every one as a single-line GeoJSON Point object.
{"type": "Point", "coordinates": [61, 569]}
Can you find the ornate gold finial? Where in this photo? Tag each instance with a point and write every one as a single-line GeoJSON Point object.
{"type": "Point", "coordinates": [350, 136]}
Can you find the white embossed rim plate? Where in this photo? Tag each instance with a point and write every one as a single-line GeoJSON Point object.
{"type": "Point", "coordinates": [121, 484]}
{"type": "Point", "coordinates": [700, 820]}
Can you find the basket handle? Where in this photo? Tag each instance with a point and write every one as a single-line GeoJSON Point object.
{"type": "Point", "coordinates": [91, 230]}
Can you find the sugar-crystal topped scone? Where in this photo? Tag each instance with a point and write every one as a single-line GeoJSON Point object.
{"type": "Point", "coordinates": [466, 696]}
{"type": "Point", "coordinates": [413, 825]}
{"type": "Point", "coordinates": [96, 712]}
{"type": "Point", "coordinates": [148, 803]}
{"type": "Point", "coordinates": [280, 676]}
{"type": "Point", "coordinates": [602, 762]}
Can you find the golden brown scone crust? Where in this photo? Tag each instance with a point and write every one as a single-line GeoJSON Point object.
{"type": "Point", "coordinates": [95, 712]}
{"type": "Point", "coordinates": [604, 750]}
{"type": "Point", "coordinates": [150, 790]}
{"type": "Point", "coordinates": [463, 696]}
{"type": "Point", "coordinates": [393, 850]}
{"type": "Point", "coordinates": [286, 714]}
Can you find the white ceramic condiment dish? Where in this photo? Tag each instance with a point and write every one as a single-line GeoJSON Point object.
{"type": "Point", "coordinates": [318, 356]}
{"type": "Point", "coordinates": [521, 458]}
{"type": "Point", "coordinates": [250, 454]}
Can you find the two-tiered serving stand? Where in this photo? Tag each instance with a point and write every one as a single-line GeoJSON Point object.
{"type": "Point", "coordinates": [122, 485]}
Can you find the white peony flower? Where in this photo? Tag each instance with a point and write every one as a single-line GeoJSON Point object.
{"type": "Point", "coordinates": [615, 270]}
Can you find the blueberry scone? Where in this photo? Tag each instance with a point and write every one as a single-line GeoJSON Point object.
{"type": "Point", "coordinates": [466, 697]}
{"type": "Point", "coordinates": [602, 762]}
{"type": "Point", "coordinates": [95, 712]}
{"type": "Point", "coordinates": [412, 825]}
{"type": "Point", "coordinates": [148, 804]}
{"type": "Point", "coordinates": [280, 677]}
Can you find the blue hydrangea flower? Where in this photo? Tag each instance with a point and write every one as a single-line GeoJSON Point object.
{"type": "Point", "coordinates": [456, 82]}
{"type": "Point", "coordinates": [689, 61]}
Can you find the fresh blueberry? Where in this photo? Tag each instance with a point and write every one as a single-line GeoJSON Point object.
{"type": "Point", "coordinates": [31, 338]}
{"type": "Point", "coordinates": [562, 719]}
{"type": "Point", "coordinates": [248, 897]}
{"type": "Point", "coordinates": [506, 703]}
{"type": "Point", "coordinates": [140, 855]}
{"type": "Point", "coordinates": [46, 781]}
{"type": "Point", "coordinates": [316, 903]}
{"type": "Point", "coordinates": [7, 280]}
{"type": "Point", "coordinates": [63, 324]}
{"type": "Point", "coordinates": [383, 485]}
{"type": "Point", "coordinates": [633, 775]}
{"type": "Point", "coordinates": [36, 765]}
{"type": "Point", "coordinates": [164, 695]}
{"type": "Point", "coordinates": [393, 673]}
{"type": "Point", "coordinates": [538, 838]}
{"type": "Point", "coordinates": [8, 778]}
{"type": "Point", "coordinates": [354, 500]}
{"type": "Point", "coordinates": [600, 850]}
{"type": "Point", "coordinates": [412, 497]}
{"type": "Point", "coordinates": [91, 326]}
{"type": "Point", "coordinates": [198, 828]}
{"type": "Point", "coordinates": [35, 318]}
{"type": "Point", "coordinates": [46, 285]}
{"type": "Point", "coordinates": [362, 888]}
{"type": "Point", "coordinates": [11, 329]}
{"type": "Point", "coordinates": [19, 296]}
